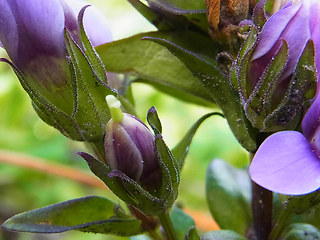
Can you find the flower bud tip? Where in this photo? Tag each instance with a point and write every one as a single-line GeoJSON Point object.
{"type": "Point", "coordinates": [115, 108]}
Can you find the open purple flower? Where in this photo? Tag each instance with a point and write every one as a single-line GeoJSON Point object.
{"type": "Point", "coordinates": [288, 162]}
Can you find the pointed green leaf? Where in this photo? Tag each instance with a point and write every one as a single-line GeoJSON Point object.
{"type": "Point", "coordinates": [88, 214]}
{"type": "Point", "coordinates": [259, 14]}
{"type": "Point", "coordinates": [155, 65]}
{"type": "Point", "coordinates": [260, 103]}
{"type": "Point", "coordinates": [102, 170]}
{"type": "Point", "coordinates": [195, 13]}
{"type": "Point", "coordinates": [47, 111]}
{"type": "Point", "coordinates": [300, 231]}
{"type": "Point", "coordinates": [180, 151]}
{"type": "Point", "coordinates": [302, 88]}
{"type": "Point", "coordinates": [127, 189]}
{"type": "Point", "coordinates": [91, 111]}
{"type": "Point", "coordinates": [241, 64]}
{"type": "Point", "coordinates": [170, 166]}
{"type": "Point", "coordinates": [181, 222]}
{"type": "Point", "coordinates": [192, 234]}
{"type": "Point", "coordinates": [156, 18]}
{"type": "Point", "coordinates": [222, 235]}
{"type": "Point", "coordinates": [306, 73]}
{"type": "Point", "coordinates": [143, 200]}
{"type": "Point", "coordinates": [221, 90]}
{"type": "Point", "coordinates": [154, 121]}
{"type": "Point", "coordinates": [91, 53]}
{"type": "Point", "coordinates": [228, 194]}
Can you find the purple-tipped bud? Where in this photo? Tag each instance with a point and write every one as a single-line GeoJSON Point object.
{"type": "Point", "coordinates": [30, 29]}
{"type": "Point", "coordinates": [296, 23]}
{"type": "Point", "coordinates": [276, 68]}
{"type": "Point", "coordinates": [130, 148]}
{"type": "Point", "coordinates": [43, 40]}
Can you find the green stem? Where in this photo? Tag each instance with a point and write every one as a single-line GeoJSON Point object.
{"type": "Point", "coordinates": [167, 226]}
{"type": "Point", "coordinates": [278, 227]}
{"type": "Point", "coordinates": [154, 235]}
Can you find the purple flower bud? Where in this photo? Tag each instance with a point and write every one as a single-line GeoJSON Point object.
{"type": "Point", "coordinates": [33, 34]}
{"type": "Point", "coordinates": [129, 147]}
{"type": "Point", "coordinates": [295, 24]}
{"type": "Point", "coordinates": [30, 29]}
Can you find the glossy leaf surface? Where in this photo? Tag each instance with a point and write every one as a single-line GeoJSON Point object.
{"type": "Point", "coordinates": [88, 214]}
{"type": "Point", "coordinates": [155, 65]}
{"type": "Point", "coordinates": [228, 195]}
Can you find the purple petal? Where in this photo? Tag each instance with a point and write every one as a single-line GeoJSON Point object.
{"type": "Point", "coordinates": [8, 29]}
{"type": "Point", "coordinates": [273, 29]}
{"type": "Point", "coordinates": [121, 152]}
{"type": "Point", "coordinates": [44, 21]}
{"type": "Point", "coordinates": [286, 163]}
{"type": "Point", "coordinates": [311, 120]}
{"type": "Point", "coordinates": [95, 23]}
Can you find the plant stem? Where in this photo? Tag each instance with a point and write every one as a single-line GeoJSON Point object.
{"type": "Point", "coordinates": [262, 211]}
{"type": "Point", "coordinates": [278, 227]}
{"type": "Point", "coordinates": [167, 226]}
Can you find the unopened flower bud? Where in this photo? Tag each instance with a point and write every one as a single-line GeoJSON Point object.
{"type": "Point", "coordinates": [33, 35]}
{"type": "Point", "coordinates": [276, 70]}
{"type": "Point", "coordinates": [129, 146]}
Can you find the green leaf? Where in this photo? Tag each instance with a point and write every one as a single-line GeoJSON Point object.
{"type": "Point", "coordinates": [222, 235]}
{"type": "Point", "coordinates": [220, 88]}
{"type": "Point", "coordinates": [300, 231]}
{"type": "Point", "coordinates": [180, 151]}
{"type": "Point", "coordinates": [192, 234]}
{"type": "Point", "coordinates": [170, 171]}
{"type": "Point", "coordinates": [91, 111]}
{"type": "Point", "coordinates": [181, 222]}
{"type": "Point", "coordinates": [128, 190]}
{"type": "Point", "coordinates": [46, 110]}
{"type": "Point", "coordinates": [91, 53]}
{"type": "Point", "coordinates": [155, 65]}
{"type": "Point", "coordinates": [174, 12]}
{"type": "Point", "coordinates": [89, 214]}
{"type": "Point", "coordinates": [260, 103]}
{"type": "Point", "coordinates": [154, 121]}
{"type": "Point", "coordinates": [152, 16]}
{"type": "Point", "coordinates": [239, 78]}
{"type": "Point", "coordinates": [300, 204]}
{"type": "Point", "coordinates": [259, 15]}
{"type": "Point", "coordinates": [306, 72]}
{"type": "Point", "coordinates": [102, 170]}
{"type": "Point", "coordinates": [302, 88]}
{"type": "Point", "coordinates": [188, 4]}
{"type": "Point", "coordinates": [228, 191]}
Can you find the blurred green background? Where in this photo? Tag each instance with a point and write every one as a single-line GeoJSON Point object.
{"type": "Point", "coordinates": [22, 131]}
